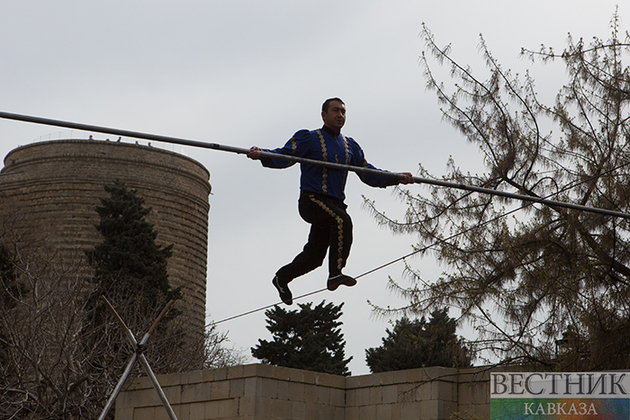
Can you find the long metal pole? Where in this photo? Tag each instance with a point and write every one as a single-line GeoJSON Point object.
{"type": "Point", "coordinates": [357, 169]}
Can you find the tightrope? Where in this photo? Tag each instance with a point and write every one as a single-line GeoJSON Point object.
{"type": "Point", "coordinates": [387, 264]}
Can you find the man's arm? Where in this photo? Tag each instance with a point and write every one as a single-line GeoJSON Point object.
{"type": "Point", "coordinates": [254, 152]}
{"type": "Point", "coordinates": [407, 178]}
{"type": "Point", "coordinates": [298, 145]}
{"type": "Point", "coordinates": [374, 180]}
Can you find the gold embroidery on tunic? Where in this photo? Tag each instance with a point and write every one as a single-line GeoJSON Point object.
{"type": "Point", "coordinates": [325, 159]}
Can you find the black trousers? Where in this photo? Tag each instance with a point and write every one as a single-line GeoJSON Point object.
{"type": "Point", "coordinates": [331, 230]}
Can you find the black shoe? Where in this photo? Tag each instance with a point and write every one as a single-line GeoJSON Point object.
{"type": "Point", "coordinates": [334, 282]}
{"type": "Point", "coordinates": [283, 290]}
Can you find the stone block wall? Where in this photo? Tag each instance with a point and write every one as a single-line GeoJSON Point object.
{"type": "Point", "coordinates": [264, 392]}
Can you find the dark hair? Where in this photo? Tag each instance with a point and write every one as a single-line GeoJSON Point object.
{"type": "Point", "coordinates": [327, 102]}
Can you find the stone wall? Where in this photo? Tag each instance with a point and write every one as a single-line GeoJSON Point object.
{"type": "Point", "coordinates": [264, 392]}
{"type": "Point", "coordinates": [49, 192]}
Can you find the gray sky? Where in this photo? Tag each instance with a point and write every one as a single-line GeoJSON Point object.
{"type": "Point", "coordinates": [245, 72]}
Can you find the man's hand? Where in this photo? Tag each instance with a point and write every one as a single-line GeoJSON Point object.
{"type": "Point", "coordinates": [254, 152]}
{"type": "Point", "coordinates": [407, 178]}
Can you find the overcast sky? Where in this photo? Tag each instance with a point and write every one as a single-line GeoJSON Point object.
{"type": "Point", "coordinates": [245, 72]}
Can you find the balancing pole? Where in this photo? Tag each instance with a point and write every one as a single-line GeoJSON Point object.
{"type": "Point", "coordinates": [357, 169]}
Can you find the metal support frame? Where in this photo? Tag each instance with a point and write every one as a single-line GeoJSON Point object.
{"type": "Point", "coordinates": [357, 169]}
{"type": "Point", "coordinates": [138, 355]}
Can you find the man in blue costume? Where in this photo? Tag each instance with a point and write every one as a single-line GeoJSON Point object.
{"type": "Point", "coordinates": [321, 202]}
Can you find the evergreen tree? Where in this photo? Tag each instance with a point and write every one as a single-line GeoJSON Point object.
{"type": "Point", "coordinates": [129, 262]}
{"type": "Point", "coordinates": [10, 286]}
{"type": "Point", "coordinates": [11, 290]}
{"type": "Point", "coordinates": [130, 270]}
{"type": "Point", "coordinates": [308, 339]}
{"type": "Point", "coordinates": [531, 276]}
{"type": "Point", "coordinates": [418, 343]}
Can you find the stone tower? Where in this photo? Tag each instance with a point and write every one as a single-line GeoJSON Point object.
{"type": "Point", "coordinates": [49, 192]}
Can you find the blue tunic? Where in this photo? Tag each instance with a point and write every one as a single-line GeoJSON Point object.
{"type": "Point", "coordinates": [324, 146]}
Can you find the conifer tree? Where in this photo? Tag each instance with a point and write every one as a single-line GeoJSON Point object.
{"type": "Point", "coordinates": [308, 339]}
{"type": "Point", "coordinates": [419, 343]}
{"type": "Point", "coordinates": [541, 284]}
{"type": "Point", "coordinates": [10, 286]}
{"type": "Point", "coordinates": [129, 262]}
{"type": "Point", "coordinates": [130, 270]}
{"type": "Point", "coordinates": [10, 291]}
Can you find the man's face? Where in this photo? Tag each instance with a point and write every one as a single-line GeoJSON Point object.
{"type": "Point", "coordinates": [335, 116]}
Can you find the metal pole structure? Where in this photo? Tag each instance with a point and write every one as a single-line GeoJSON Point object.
{"type": "Point", "coordinates": [119, 385]}
{"type": "Point", "coordinates": [143, 361]}
{"type": "Point", "coordinates": [357, 169]}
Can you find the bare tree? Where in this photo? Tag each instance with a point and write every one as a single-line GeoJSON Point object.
{"type": "Point", "coordinates": [47, 371]}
